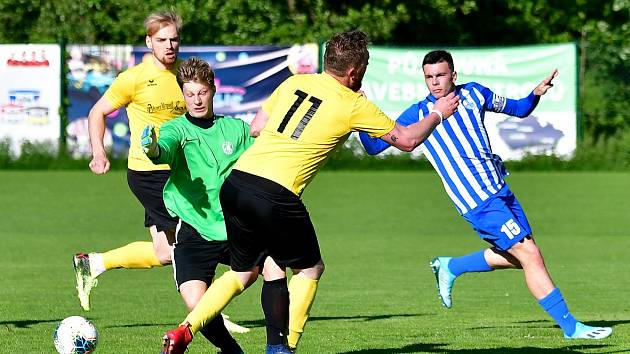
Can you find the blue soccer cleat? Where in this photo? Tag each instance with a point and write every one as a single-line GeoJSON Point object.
{"type": "Point", "coordinates": [277, 349]}
{"type": "Point", "coordinates": [583, 331]}
{"type": "Point", "coordinates": [444, 279]}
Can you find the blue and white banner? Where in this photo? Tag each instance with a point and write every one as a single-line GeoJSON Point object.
{"type": "Point", "coordinates": [245, 77]}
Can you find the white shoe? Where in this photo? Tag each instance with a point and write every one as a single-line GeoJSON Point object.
{"type": "Point", "coordinates": [233, 327]}
{"type": "Point", "coordinates": [85, 281]}
{"type": "Point", "coordinates": [583, 331]}
{"type": "Point", "coordinates": [444, 279]}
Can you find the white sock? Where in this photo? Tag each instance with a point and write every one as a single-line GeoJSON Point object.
{"type": "Point", "coordinates": [97, 266]}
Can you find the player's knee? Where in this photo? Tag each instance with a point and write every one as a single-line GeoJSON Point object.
{"type": "Point", "coordinates": [315, 272]}
{"type": "Point", "coordinates": [163, 255]}
{"type": "Point", "coordinates": [527, 253]}
{"type": "Point", "coordinates": [319, 269]}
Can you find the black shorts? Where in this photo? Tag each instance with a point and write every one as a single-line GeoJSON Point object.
{"type": "Point", "coordinates": [195, 258]}
{"type": "Point", "coordinates": [148, 186]}
{"type": "Point", "coordinates": [263, 218]}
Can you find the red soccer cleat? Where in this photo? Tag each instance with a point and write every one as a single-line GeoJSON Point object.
{"type": "Point", "coordinates": [176, 340]}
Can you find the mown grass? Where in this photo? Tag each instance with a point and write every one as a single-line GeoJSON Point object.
{"type": "Point", "coordinates": [377, 231]}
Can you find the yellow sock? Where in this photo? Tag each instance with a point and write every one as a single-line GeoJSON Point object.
{"type": "Point", "coordinates": [136, 255]}
{"type": "Point", "coordinates": [302, 292]}
{"type": "Point", "coordinates": [218, 295]}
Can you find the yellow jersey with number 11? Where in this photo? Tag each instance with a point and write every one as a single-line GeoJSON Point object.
{"type": "Point", "coordinates": [309, 115]}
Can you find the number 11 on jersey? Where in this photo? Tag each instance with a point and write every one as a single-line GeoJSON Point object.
{"type": "Point", "coordinates": [301, 96]}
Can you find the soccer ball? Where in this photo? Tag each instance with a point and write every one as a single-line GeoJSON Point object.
{"type": "Point", "coordinates": [75, 335]}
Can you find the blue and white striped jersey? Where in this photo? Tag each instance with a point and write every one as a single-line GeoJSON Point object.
{"type": "Point", "coordinates": [459, 148]}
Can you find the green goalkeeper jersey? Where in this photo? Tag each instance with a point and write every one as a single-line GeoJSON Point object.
{"type": "Point", "coordinates": [201, 153]}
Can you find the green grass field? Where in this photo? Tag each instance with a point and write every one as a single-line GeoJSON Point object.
{"type": "Point", "coordinates": [377, 294]}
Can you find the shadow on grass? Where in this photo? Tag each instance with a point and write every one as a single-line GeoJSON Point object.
{"type": "Point", "coordinates": [261, 322]}
{"type": "Point", "coordinates": [24, 323]}
{"type": "Point", "coordinates": [439, 348]}
{"type": "Point", "coordinates": [549, 324]}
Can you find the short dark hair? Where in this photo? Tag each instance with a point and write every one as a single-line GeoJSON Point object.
{"type": "Point", "coordinates": [195, 70]}
{"type": "Point", "coordinates": [438, 56]}
{"type": "Point", "coordinates": [345, 50]}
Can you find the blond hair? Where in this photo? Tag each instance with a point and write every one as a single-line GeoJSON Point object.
{"type": "Point", "coordinates": [158, 20]}
{"type": "Point", "coordinates": [195, 70]}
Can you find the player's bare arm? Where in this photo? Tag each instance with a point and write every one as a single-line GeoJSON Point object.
{"type": "Point", "coordinates": [258, 123]}
{"type": "Point", "coordinates": [546, 84]}
{"type": "Point", "coordinates": [96, 127]}
{"type": "Point", "coordinates": [408, 138]}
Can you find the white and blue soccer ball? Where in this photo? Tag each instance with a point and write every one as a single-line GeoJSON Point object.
{"type": "Point", "coordinates": [75, 335]}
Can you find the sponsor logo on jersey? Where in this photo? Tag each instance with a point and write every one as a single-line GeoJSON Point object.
{"type": "Point", "coordinates": [174, 107]}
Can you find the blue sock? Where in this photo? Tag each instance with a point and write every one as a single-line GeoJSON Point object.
{"type": "Point", "coordinates": [474, 262]}
{"type": "Point", "coordinates": [555, 306]}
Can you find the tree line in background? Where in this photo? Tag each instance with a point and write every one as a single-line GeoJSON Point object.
{"type": "Point", "coordinates": [601, 29]}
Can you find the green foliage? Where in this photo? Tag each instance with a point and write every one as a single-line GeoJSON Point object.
{"type": "Point", "coordinates": [604, 154]}
{"type": "Point", "coordinates": [601, 28]}
{"type": "Point", "coordinates": [46, 156]}
{"type": "Point", "coordinates": [5, 153]}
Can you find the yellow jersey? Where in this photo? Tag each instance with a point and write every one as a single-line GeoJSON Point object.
{"type": "Point", "coordinates": [151, 96]}
{"type": "Point", "coordinates": [309, 115]}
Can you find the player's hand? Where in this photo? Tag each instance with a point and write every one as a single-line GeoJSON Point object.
{"type": "Point", "coordinates": [447, 105]}
{"type": "Point", "coordinates": [546, 84]}
{"type": "Point", "coordinates": [99, 165]}
{"type": "Point", "coordinates": [148, 140]}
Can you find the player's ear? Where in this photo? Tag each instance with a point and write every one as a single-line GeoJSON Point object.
{"type": "Point", "coordinates": [352, 71]}
{"type": "Point", "coordinates": [454, 76]}
{"type": "Point", "coordinates": [147, 40]}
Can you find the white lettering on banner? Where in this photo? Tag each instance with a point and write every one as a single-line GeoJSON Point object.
{"type": "Point", "coordinates": [516, 91]}
{"type": "Point", "coordinates": [408, 64]}
{"type": "Point", "coordinates": [481, 65]}
{"type": "Point", "coordinates": [407, 92]}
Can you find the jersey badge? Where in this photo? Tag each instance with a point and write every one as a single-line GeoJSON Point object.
{"type": "Point", "coordinates": [469, 103]}
{"type": "Point", "coordinates": [227, 147]}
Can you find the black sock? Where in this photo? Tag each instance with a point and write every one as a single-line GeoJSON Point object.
{"type": "Point", "coordinates": [275, 304]}
{"type": "Point", "coordinates": [218, 335]}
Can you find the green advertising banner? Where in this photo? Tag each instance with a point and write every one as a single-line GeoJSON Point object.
{"type": "Point", "coordinates": [394, 80]}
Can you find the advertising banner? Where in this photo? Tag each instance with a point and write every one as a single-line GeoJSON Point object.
{"type": "Point", "coordinates": [245, 77]}
{"type": "Point", "coordinates": [29, 93]}
{"type": "Point", "coordinates": [91, 70]}
{"type": "Point", "coordinates": [394, 80]}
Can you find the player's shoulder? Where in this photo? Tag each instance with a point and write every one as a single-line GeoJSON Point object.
{"type": "Point", "coordinates": [472, 86]}
{"type": "Point", "coordinates": [228, 120]}
{"type": "Point", "coordinates": [136, 69]}
{"type": "Point", "coordinates": [132, 73]}
{"type": "Point", "coordinates": [300, 79]}
{"type": "Point", "coordinates": [177, 121]}
{"type": "Point", "coordinates": [220, 118]}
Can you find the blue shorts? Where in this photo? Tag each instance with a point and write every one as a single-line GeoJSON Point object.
{"type": "Point", "coordinates": [500, 220]}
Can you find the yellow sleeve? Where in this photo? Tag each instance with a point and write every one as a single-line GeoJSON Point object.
{"type": "Point", "coordinates": [370, 119]}
{"type": "Point", "coordinates": [268, 105]}
{"type": "Point", "coordinates": [120, 93]}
